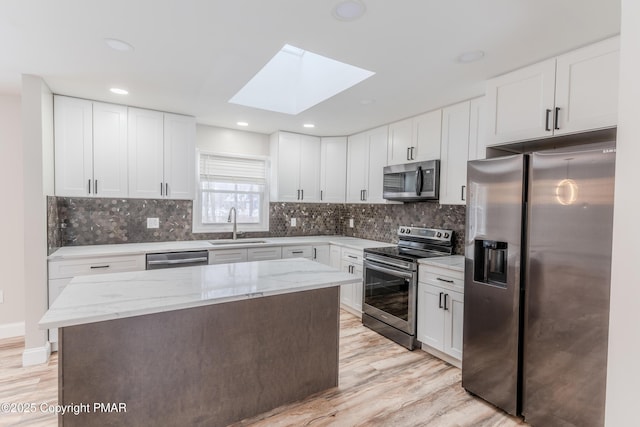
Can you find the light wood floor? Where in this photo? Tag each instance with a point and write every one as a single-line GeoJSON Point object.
{"type": "Point", "coordinates": [381, 384]}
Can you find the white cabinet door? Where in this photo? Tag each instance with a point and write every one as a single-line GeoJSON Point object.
{"type": "Point", "coordinates": [477, 131]}
{"type": "Point", "coordinates": [333, 169]}
{"type": "Point", "coordinates": [431, 316]}
{"type": "Point", "coordinates": [401, 147]}
{"type": "Point", "coordinates": [297, 252]}
{"type": "Point", "coordinates": [454, 313]}
{"type": "Point", "coordinates": [357, 167]}
{"type": "Point", "coordinates": [263, 254]}
{"type": "Point", "coordinates": [288, 166]}
{"type": "Point", "coordinates": [179, 156]}
{"type": "Point", "coordinates": [309, 165]}
{"type": "Point", "coordinates": [109, 150]}
{"type": "Point", "coordinates": [520, 104]}
{"type": "Point", "coordinates": [73, 133]}
{"type": "Point", "coordinates": [228, 256]}
{"type": "Point", "coordinates": [587, 87]}
{"type": "Point", "coordinates": [378, 139]}
{"type": "Point", "coordinates": [427, 132]}
{"type": "Point", "coordinates": [146, 153]}
{"type": "Point", "coordinates": [321, 254]}
{"type": "Point", "coordinates": [335, 256]}
{"type": "Point", "coordinates": [454, 153]}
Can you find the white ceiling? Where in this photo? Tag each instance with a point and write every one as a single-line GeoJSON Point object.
{"type": "Point", "coordinates": [192, 56]}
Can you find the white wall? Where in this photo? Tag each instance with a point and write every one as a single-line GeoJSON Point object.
{"type": "Point", "coordinates": [230, 141]}
{"type": "Point", "coordinates": [11, 217]}
{"type": "Point", "coordinates": [36, 137]}
{"type": "Point", "coordinates": [623, 368]}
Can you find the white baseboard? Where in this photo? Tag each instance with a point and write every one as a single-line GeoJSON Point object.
{"type": "Point", "coordinates": [37, 355]}
{"type": "Point", "coordinates": [10, 330]}
{"type": "Point", "coordinates": [440, 355]}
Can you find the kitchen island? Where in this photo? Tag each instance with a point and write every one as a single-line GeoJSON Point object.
{"type": "Point", "coordinates": [198, 345]}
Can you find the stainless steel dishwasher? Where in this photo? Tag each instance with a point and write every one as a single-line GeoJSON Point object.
{"type": "Point", "coordinates": [177, 259]}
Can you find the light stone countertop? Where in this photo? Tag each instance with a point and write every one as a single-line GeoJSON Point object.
{"type": "Point", "coordinates": [74, 252]}
{"type": "Point", "coordinates": [453, 262]}
{"type": "Point", "coordinates": [89, 299]}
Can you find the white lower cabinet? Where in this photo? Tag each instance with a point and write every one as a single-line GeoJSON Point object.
{"type": "Point", "coordinates": [264, 254]}
{"type": "Point", "coordinates": [227, 256]}
{"type": "Point", "coordinates": [297, 252]}
{"type": "Point", "coordinates": [61, 272]}
{"type": "Point", "coordinates": [321, 254]}
{"type": "Point", "coordinates": [351, 295]}
{"type": "Point", "coordinates": [440, 312]}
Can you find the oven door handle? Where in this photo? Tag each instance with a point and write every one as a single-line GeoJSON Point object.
{"type": "Point", "coordinates": [392, 271]}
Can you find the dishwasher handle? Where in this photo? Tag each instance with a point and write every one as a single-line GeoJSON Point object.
{"type": "Point", "coordinates": [177, 261]}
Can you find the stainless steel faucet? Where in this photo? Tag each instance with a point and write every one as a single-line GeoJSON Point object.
{"type": "Point", "coordinates": [235, 225]}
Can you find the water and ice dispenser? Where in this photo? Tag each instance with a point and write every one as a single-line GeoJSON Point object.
{"type": "Point", "coordinates": [490, 262]}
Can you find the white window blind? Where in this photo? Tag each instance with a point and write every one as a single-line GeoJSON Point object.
{"type": "Point", "coordinates": [232, 169]}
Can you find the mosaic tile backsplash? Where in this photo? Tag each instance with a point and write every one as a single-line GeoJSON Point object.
{"type": "Point", "coordinates": [89, 221]}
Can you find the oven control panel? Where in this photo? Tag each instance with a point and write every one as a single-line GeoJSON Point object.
{"type": "Point", "coordinates": [426, 233]}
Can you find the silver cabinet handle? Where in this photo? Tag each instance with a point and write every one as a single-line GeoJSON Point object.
{"type": "Point", "coordinates": [462, 192]}
{"type": "Point", "coordinates": [89, 187]}
{"type": "Point", "coordinates": [412, 148]}
{"type": "Point", "coordinates": [161, 189]}
{"type": "Point", "coordinates": [298, 196]}
{"type": "Point", "coordinates": [556, 126]}
{"type": "Point", "coordinates": [320, 194]}
{"type": "Point", "coordinates": [166, 189]}
{"type": "Point", "coordinates": [301, 194]}
{"type": "Point", "coordinates": [315, 253]}
{"type": "Point", "coordinates": [408, 153]}
{"type": "Point", "coordinates": [94, 267]}
{"type": "Point", "coordinates": [364, 195]}
{"type": "Point", "coordinates": [352, 256]}
{"type": "Point", "coordinates": [297, 252]}
{"type": "Point", "coordinates": [444, 280]}
{"type": "Point", "coordinates": [445, 302]}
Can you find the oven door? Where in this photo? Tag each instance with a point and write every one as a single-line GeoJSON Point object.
{"type": "Point", "coordinates": [390, 295]}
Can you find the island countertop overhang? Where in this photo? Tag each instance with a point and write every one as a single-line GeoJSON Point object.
{"type": "Point", "coordinates": [89, 299]}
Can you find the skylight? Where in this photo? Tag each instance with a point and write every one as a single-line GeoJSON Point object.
{"type": "Point", "coordinates": [295, 80]}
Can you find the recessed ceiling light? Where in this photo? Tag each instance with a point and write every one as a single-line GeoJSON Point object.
{"type": "Point", "coordinates": [309, 125]}
{"type": "Point", "coordinates": [242, 124]}
{"type": "Point", "coordinates": [295, 80]}
{"type": "Point", "coordinates": [119, 91]}
{"type": "Point", "coordinates": [471, 56]}
{"type": "Point", "coordinates": [118, 45]}
{"type": "Point", "coordinates": [349, 10]}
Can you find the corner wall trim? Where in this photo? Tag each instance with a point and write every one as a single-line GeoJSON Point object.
{"type": "Point", "coordinates": [10, 330]}
{"type": "Point", "coordinates": [37, 355]}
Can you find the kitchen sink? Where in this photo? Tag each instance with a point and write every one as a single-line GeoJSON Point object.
{"type": "Point", "coordinates": [235, 242]}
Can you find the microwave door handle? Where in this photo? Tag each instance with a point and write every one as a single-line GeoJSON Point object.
{"type": "Point", "coordinates": [419, 180]}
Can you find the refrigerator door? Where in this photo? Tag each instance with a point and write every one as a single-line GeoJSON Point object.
{"type": "Point", "coordinates": [567, 291]}
{"type": "Point", "coordinates": [490, 357]}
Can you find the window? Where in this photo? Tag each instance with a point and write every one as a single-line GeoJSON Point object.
{"type": "Point", "coordinates": [225, 182]}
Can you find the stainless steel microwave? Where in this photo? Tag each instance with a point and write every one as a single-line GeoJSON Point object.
{"type": "Point", "coordinates": [412, 182]}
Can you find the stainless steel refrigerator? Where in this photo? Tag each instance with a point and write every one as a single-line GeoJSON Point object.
{"type": "Point", "coordinates": [537, 276]}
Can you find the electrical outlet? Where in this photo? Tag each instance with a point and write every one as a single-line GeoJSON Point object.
{"type": "Point", "coordinates": [350, 222]}
{"type": "Point", "coordinates": [293, 222]}
{"type": "Point", "coordinates": [153, 223]}
{"type": "Point", "coordinates": [1, 297]}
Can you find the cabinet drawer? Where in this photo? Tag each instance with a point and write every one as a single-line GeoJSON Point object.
{"type": "Point", "coordinates": [262, 254]}
{"type": "Point", "coordinates": [351, 255]}
{"type": "Point", "coordinates": [297, 252]}
{"type": "Point", "coordinates": [227, 256]}
{"type": "Point", "coordinates": [88, 266]}
{"type": "Point", "coordinates": [442, 277]}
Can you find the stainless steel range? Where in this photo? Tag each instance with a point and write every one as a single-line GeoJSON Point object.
{"type": "Point", "coordinates": [391, 281]}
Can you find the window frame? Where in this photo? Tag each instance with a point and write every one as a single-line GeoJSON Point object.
{"type": "Point", "coordinates": [199, 227]}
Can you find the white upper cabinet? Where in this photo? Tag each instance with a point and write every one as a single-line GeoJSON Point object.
{"type": "Point", "coordinates": [90, 148]}
{"type": "Point", "coordinates": [587, 87]}
{"type": "Point", "coordinates": [333, 169]}
{"type": "Point", "coordinates": [179, 156]}
{"type": "Point", "coordinates": [477, 131]}
{"type": "Point", "coordinates": [366, 158]}
{"type": "Point", "coordinates": [415, 139]}
{"type": "Point", "coordinates": [161, 155]}
{"type": "Point", "coordinates": [575, 92]}
{"type": "Point", "coordinates": [295, 168]}
{"type": "Point", "coordinates": [454, 153]}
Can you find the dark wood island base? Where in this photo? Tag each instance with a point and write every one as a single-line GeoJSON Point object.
{"type": "Point", "coordinates": [209, 366]}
